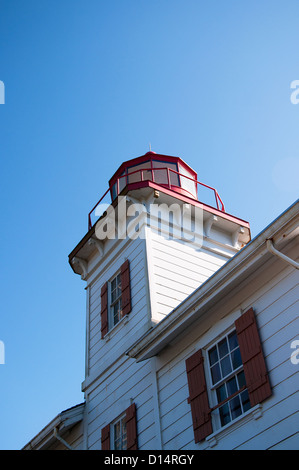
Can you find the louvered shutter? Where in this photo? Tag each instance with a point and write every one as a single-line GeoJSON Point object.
{"type": "Point", "coordinates": [125, 288]}
{"type": "Point", "coordinates": [104, 309]}
{"type": "Point", "coordinates": [256, 375]}
{"type": "Point", "coordinates": [131, 423]}
{"type": "Point", "coordinates": [198, 397]}
{"type": "Point", "coordinates": [105, 438]}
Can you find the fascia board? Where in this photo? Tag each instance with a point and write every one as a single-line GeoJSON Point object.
{"type": "Point", "coordinates": [63, 421]}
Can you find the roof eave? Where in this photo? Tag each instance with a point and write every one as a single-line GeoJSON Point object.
{"type": "Point", "coordinates": [64, 421]}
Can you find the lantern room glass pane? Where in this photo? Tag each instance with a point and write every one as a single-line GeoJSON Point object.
{"type": "Point", "coordinates": [187, 183]}
{"type": "Point", "coordinates": [138, 173]}
{"type": "Point", "coordinates": [122, 182]}
{"type": "Point", "coordinates": [161, 176]}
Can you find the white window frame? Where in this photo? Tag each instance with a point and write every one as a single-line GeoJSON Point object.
{"type": "Point", "coordinates": [217, 424]}
{"type": "Point", "coordinates": [121, 421]}
{"type": "Point", "coordinates": [118, 300]}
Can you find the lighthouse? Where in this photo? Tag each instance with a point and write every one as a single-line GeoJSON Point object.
{"type": "Point", "coordinates": [157, 211]}
{"type": "Point", "coordinates": [189, 322]}
{"type": "Point", "coordinates": [139, 264]}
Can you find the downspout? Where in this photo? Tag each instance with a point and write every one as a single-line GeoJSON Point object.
{"type": "Point", "coordinates": [59, 438]}
{"type": "Point", "coordinates": [277, 253]}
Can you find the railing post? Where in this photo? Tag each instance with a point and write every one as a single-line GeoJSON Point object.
{"type": "Point", "coordinates": [217, 203]}
{"type": "Point", "coordinates": [168, 178]}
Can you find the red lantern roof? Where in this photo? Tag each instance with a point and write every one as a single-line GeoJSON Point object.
{"type": "Point", "coordinates": [164, 172]}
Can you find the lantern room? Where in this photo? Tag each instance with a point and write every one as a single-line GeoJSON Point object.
{"type": "Point", "coordinates": [169, 172]}
{"type": "Point", "coordinates": [159, 172]}
{"type": "Point", "coordinates": [165, 173]}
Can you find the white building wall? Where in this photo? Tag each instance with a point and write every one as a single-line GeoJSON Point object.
{"type": "Point", "coordinates": [163, 273]}
{"type": "Point", "coordinates": [273, 293]}
{"type": "Point", "coordinates": [127, 382]}
{"type": "Point", "coordinates": [101, 352]}
{"type": "Point", "coordinates": [178, 267]}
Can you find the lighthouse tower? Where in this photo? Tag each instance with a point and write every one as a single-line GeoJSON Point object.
{"type": "Point", "coordinates": [159, 236]}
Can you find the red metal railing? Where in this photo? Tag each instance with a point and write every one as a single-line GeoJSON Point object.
{"type": "Point", "coordinates": [167, 184]}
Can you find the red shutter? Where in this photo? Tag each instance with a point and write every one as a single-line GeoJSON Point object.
{"type": "Point", "coordinates": [125, 288]}
{"type": "Point", "coordinates": [131, 422]}
{"type": "Point", "coordinates": [198, 397]}
{"type": "Point", "coordinates": [257, 379]}
{"type": "Point", "coordinates": [104, 309]}
{"type": "Point", "coordinates": [105, 438]}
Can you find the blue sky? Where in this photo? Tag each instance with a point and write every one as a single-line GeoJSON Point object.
{"type": "Point", "coordinates": [88, 84]}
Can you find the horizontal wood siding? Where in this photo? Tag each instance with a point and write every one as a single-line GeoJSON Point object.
{"type": "Point", "coordinates": [273, 293]}
{"type": "Point", "coordinates": [124, 333]}
{"type": "Point", "coordinates": [127, 383]}
{"type": "Point", "coordinates": [178, 268]}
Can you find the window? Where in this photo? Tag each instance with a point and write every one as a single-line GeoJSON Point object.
{"type": "Point", "coordinates": [119, 434]}
{"type": "Point", "coordinates": [115, 298]}
{"type": "Point", "coordinates": [238, 377]}
{"type": "Point", "coordinates": [115, 305]}
{"type": "Point", "coordinates": [228, 379]}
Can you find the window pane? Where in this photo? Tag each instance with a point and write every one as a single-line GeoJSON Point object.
{"type": "Point", "coordinates": [139, 175]}
{"type": "Point", "coordinates": [161, 177]}
{"type": "Point", "coordinates": [114, 191]}
{"type": "Point", "coordinates": [224, 414]}
{"type": "Point", "coordinates": [113, 296]}
{"type": "Point", "coordinates": [117, 435]}
{"type": "Point", "coordinates": [233, 340]}
{"type": "Point", "coordinates": [124, 434]}
{"type": "Point", "coordinates": [235, 407]}
{"type": "Point", "coordinates": [213, 355]}
{"type": "Point", "coordinates": [187, 183]}
{"type": "Point", "coordinates": [221, 393]}
{"type": "Point", "coordinates": [174, 178]}
{"type": "Point", "coordinates": [116, 312]}
{"type": "Point", "coordinates": [120, 435]}
{"type": "Point", "coordinates": [245, 400]}
{"type": "Point", "coordinates": [223, 348]}
{"type": "Point", "coordinates": [215, 371]}
{"type": "Point", "coordinates": [122, 182]}
{"type": "Point", "coordinates": [241, 379]}
{"type": "Point", "coordinates": [231, 386]}
{"type": "Point", "coordinates": [236, 358]}
{"type": "Point", "coordinates": [225, 366]}
{"type": "Point", "coordinates": [118, 285]}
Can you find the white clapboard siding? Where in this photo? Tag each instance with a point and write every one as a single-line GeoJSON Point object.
{"type": "Point", "coordinates": [128, 382]}
{"type": "Point", "coordinates": [273, 295]}
{"type": "Point", "coordinates": [124, 333]}
{"type": "Point", "coordinates": [177, 268]}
